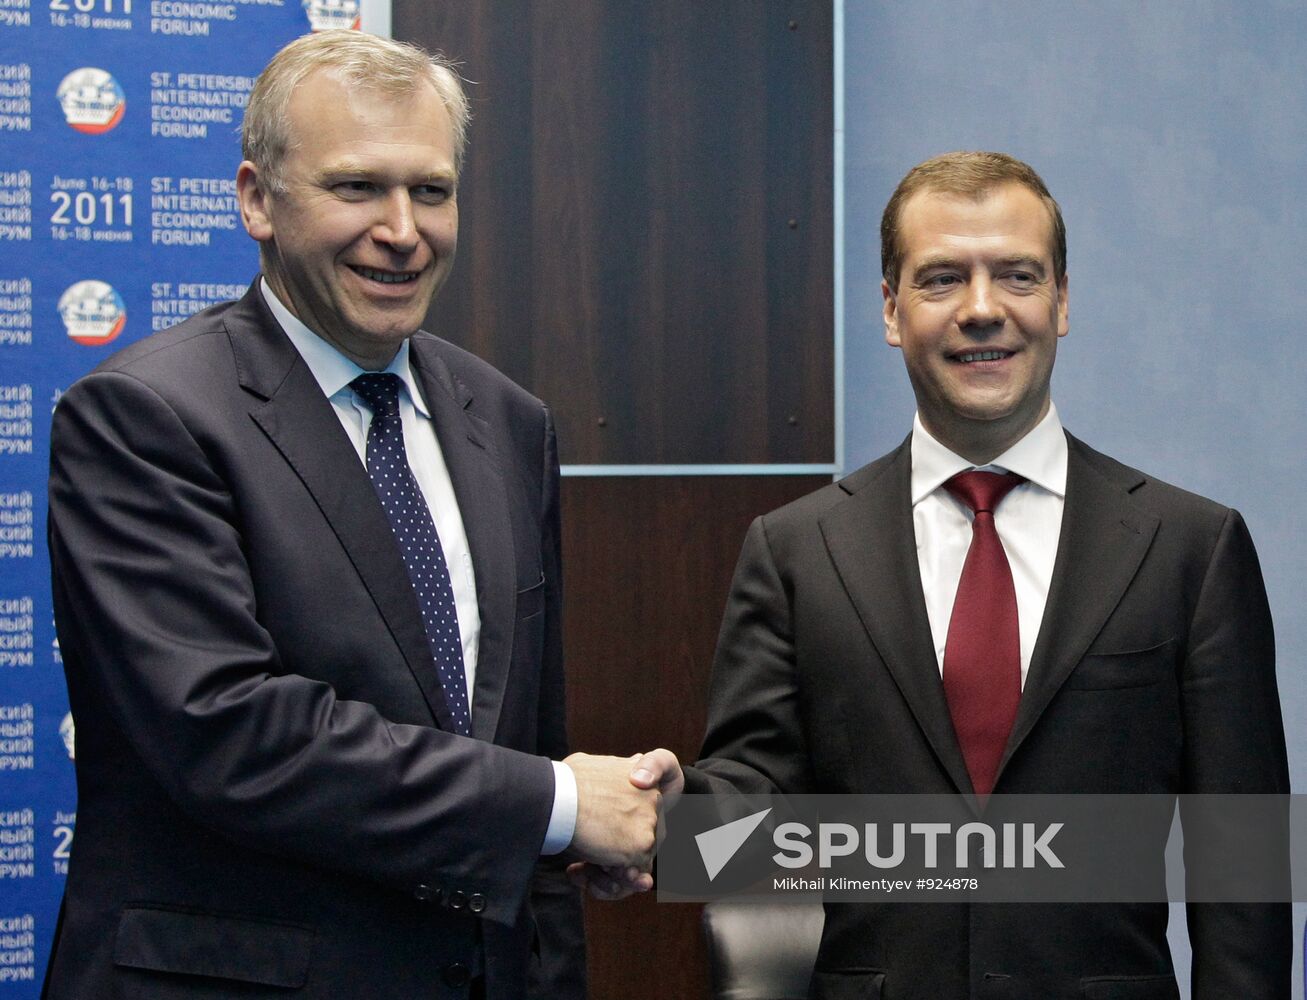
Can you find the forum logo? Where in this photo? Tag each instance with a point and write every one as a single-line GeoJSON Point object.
{"type": "Point", "coordinates": [325, 15]}
{"type": "Point", "coordinates": [68, 733]}
{"type": "Point", "coordinates": [93, 313]}
{"type": "Point", "coordinates": [92, 100]}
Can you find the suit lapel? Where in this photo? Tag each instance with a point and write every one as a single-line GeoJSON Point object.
{"type": "Point", "coordinates": [478, 478]}
{"type": "Point", "coordinates": [871, 540]}
{"type": "Point", "coordinates": [1104, 537]}
{"type": "Point", "coordinates": [299, 420]}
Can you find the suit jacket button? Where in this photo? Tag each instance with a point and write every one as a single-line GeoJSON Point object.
{"type": "Point", "coordinates": [457, 899]}
{"type": "Point", "coordinates": [456, 975]}
{"type": "Point", "coordinates": [476, 903]}
{"type": "Point", "coordinates": [424, 894]}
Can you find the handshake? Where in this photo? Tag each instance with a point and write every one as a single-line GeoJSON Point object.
{"type": "Point", "coordinates": [619, 805]}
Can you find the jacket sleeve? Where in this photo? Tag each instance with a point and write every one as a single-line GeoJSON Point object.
{"type": "Point", "coordinates": [755, 740]}
{"type": "Point", "coordinates": [1234, 743]}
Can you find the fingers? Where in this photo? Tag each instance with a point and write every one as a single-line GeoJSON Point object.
{"type": "Point", "coordinates": [609, 883]}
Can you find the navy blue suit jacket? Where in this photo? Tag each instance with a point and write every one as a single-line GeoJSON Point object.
{"type": "Point", "coordinates": [270, 801]}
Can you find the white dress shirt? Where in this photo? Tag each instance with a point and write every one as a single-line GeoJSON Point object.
{"type": "Point", "coordinates": [1028, 521]}
{"type": "Point", "coordinates": [334, 372]}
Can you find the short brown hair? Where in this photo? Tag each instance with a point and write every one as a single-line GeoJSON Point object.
{"type": "Point", "coordinates": [971, 175]}
{"type": "Point", "coordinates": [360, 61]}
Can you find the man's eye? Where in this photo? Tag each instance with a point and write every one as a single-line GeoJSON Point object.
{"type": "Point", "coordinates": [1021, 280]}
{"type": "Point", "coordinates": [431, 193]}
{"type": "Point", "coordinates": [354, 187]}
{"type": "Point", "coordinates": [942, 281]}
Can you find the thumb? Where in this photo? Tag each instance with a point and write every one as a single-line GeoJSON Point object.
{"type": "Point", "coordinates": [653, 768]}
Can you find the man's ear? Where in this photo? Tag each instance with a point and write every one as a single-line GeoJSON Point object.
{"type": "Point", "coordinates": [1063, 309]}
{"type": "Point", "coordinates": [891, 312]}
{"type": "Point", "coordinates": [250, 190]}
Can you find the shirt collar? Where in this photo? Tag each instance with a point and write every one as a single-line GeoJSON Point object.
{"type": "Point", "coordinates": [1040, 457]}
{"type": "Point", "coordinates": [331, 369]}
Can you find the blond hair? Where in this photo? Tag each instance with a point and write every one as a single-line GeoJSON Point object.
{"type": "Point", "coordinates": [359, 61]}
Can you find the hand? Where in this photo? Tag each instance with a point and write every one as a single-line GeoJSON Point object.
{"type": "Point", "coordinates": [608, 883]}
{"type": "Point", "coordinates": [659, 769]}
{"type": "Point", "coordinates": [616, 821]}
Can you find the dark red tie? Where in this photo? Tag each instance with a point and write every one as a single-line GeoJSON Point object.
{"type": "Point", "coordinates": [982, 656]}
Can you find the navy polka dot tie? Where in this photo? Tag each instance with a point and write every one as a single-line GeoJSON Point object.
{"type": "Point", "coordinates": [410, 520]}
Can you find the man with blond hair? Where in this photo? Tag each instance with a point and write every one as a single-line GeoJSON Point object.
{"type": "Point", "coordinates": [307, 589]}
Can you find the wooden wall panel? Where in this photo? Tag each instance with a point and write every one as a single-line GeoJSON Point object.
{"type": "Point", "coordinates": [647, 244]}
{"type": "Point", "coordinates": [648, 561]}
{"type": "Point", "coordinates": [646, 220]}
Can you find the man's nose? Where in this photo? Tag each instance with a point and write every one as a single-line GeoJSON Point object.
{"type": "Point", "coordinates": [396, 227]}
{"type": "Point", "coordinates": [980, 306]}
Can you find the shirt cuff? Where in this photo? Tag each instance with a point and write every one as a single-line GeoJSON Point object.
{"type": "Point", "coordinates": [562, 821]}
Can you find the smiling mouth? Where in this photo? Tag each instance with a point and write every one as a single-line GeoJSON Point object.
{"type": "Point", "coordinates": [973, 356]}
{"type": "Point", "coordinates": [385, 277]}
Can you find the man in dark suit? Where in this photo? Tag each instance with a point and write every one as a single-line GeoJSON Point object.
{"type": "Point", "coordinates": [1118, 640]}
{"type": "Point", "coordinates": [307, 588]}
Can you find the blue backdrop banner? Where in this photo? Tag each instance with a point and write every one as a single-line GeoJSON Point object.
{"type": "Point", "coordinates": [118, 217]}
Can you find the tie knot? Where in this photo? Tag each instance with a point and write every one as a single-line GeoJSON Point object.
{"type": "Point", "coordinates": [380, 390]}
{"type": "Point", "coordinates": [983, 491]}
